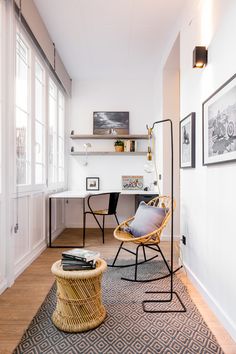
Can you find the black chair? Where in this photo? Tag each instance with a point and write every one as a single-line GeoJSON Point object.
{"type": "Point", "coordinates": [110, 210]}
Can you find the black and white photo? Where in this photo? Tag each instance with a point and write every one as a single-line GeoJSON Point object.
{"type": "Point", "coordinates": [187, 141]}
{"type": "Point", "coordinates": [92, 183]}
{"type": "Point", "coordinates": [115, 123]}
{"type": "Point", "coordinates": [219, 124]}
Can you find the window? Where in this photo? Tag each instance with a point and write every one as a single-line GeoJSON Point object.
{"type": "Point", "coordinates": [22, 111]}
{"type": "Point", "coordinates": [39, 127]}
{"type": "Point", "coordinates": [36, 112]}
{"type": "Point", "coordinates": [56, 134]}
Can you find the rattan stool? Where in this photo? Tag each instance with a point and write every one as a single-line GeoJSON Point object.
{"type": "Point", "coordinates": [79, 305]}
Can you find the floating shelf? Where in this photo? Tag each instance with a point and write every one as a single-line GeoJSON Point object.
{"type": "Point", "coordinates": [114, 137]}
{"type": "Point", "coordinates": [94, 153]}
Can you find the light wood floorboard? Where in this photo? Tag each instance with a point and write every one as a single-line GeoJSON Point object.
{"type": "Point", "coordinates": [19, 304]}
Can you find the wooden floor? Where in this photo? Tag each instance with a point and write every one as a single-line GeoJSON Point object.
{"type": "Point", "coordinates": [19, 304]}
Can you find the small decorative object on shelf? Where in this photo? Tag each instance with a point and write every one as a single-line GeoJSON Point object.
{"type": "Point", "coordinates": [132, 145]}
{"type": "Point", "coordinates": [119, 145]}
{"type": "Point", "coordinates": [72, 149]}
{"type": "Point", "coordinates": [72, 132]}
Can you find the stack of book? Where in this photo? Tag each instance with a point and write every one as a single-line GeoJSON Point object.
{"type": "Point", "coordinates": [79, 259]}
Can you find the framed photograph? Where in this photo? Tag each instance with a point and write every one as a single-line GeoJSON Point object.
{"type": "Point", "coordinates": [115, 123]}
{"type": "Point", "coordinates": [132, 182]}
{"type": "Point", "coordinates": [187, 141]}
{"type": "Point", "coordinates": [92, 183]}
{"type": "Point", "coordinates": [219, 124]}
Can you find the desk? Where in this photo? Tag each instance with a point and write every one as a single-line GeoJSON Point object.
{"type": "Point", "coordinates": [83, 195]}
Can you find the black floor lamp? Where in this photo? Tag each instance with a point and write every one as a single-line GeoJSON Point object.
{"type": "Point", "coordinates": [171, 292]}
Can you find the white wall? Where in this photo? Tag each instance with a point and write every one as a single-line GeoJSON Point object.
{"type": "Point", "coordinates": [208, 194]}
{"type": "Point", "coordinates": [136, 96]}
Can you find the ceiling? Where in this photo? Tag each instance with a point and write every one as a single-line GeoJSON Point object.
{"type": "Point", "coordinates": [110, 38]}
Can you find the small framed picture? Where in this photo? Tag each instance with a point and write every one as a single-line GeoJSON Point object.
{"type": "Point", "coordinates": [132, 182]}
{"type": "Point", "coordinates": [92, 183]}
{"type": "Point", "coordinates": [187, 141]}
{"type": "Point", "coordinates": [219, 124]}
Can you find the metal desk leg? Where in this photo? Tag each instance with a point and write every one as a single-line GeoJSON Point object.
{"type": "Point", "coordinates": [83, 222]}
{"type": "Point", "coordinates": [50, 222]}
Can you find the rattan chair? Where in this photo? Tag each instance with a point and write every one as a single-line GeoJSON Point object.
{"type": "Point", "coordinates": [110, 209]}
{"type": "Point", "coordinates": [149, 241]}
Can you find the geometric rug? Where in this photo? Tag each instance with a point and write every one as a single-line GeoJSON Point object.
{"type": "Point", "coordinates": [127, 329]}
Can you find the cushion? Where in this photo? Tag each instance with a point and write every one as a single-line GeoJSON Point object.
{"type": "Point", "coordinates": [146, 220]}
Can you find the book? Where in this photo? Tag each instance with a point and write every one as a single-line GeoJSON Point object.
{"type": "Point", "coordinates": [78, 267]}
{"type": "Point", "coordinates": [81, 254]}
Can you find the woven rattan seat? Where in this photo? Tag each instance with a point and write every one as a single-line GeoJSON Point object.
{"type": "Point", "coordinates": [79, 304]}
{"type": "Point", "coordinates": [149, 241]}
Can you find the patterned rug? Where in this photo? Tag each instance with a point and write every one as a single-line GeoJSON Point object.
{"type": "Point", "coordinates": [127, 329]}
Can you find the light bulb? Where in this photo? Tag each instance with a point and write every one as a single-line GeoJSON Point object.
{"type": "Point", "coordinates": [148, 166]}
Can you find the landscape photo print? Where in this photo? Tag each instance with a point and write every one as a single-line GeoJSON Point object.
{"type": "Point", "coordinates": [219, 125]}
{"type": "Point", "coordinates": [115, 123]}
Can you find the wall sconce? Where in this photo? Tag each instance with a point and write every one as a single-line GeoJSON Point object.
{"type": "Point", "coordinates": [199, 57]}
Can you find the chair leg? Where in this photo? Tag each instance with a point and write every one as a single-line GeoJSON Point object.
{"type": "Point", "coordinates": [103, 224]}
{"type": "Point", "coordinates": [116, 219]}
{"type": "Point", "coordinates": [117, 254]}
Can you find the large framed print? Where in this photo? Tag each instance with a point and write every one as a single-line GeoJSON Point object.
{"type": "Point", "coordinates": [219, 124]}
{"type": "Point", "coordinates": [187, 141]}
{"type": "Point", "coordinates": [115, 123]}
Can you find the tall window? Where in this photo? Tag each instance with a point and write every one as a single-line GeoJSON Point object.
{"type": "Point", "coordinates": [39, 127]}
{"type": "Point", "coordinates": [36, 112]}
{"type": "Point", "coordinates": [56, 134]}
{"type": "Point", "coordinates": [22, 111]}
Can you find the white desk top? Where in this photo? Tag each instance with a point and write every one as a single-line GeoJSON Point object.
{"type": "Point", "coordinates": [84, 194]}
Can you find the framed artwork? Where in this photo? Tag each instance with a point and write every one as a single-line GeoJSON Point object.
{"type": "Point", "coordinates": [132, 182]}
{"type": "Point", "coordinates": [92, 183]}
{"type": "Point", "coordinates": [219, 124]}
{"type": "Point", "coordinates": [187, 141]}
{"type": "Point", "coordinates": [115, 123]}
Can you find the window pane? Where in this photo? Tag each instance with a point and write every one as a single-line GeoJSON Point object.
{"type": "Point", "coordinates": [39, 173]}
{"type": "Point", "coordinates": [52, 147]}
{"type": "Point", "coordinates": [21, 146]}
{"type": "Point", "coordinates": [22, 64]}
{"type": "Point", "coordinates": [39, 101]}
{"type": "Point", "coordinates": [39, 72]}
{"type": "Point", "coordinates": [39, 137]}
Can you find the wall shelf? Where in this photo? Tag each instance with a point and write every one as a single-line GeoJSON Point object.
{"type": "Point", "coordinates": [114, 137]}
{"type": "Point", "coordinates": [94, 153]}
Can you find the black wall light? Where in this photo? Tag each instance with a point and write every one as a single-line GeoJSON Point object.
{"type": "Point", "coordinates": [199, 57]}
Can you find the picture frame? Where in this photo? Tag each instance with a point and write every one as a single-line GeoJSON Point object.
{"type": "Point", "coordinates": [132, 182]}
{"type": "Point", "coordinates": [219, 125]}
{"type": "Point", "coordinates": [187, 141]}
{"type": "Point", "coordinates": [110, 123]}
{"type": "Point", "coordinates": [92, 183]}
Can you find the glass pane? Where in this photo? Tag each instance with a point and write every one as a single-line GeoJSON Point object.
{"type": "Point", "coordinates": [52, 114]}
{"type": "Point", "coordinates": [39, 146]}
{"type": "Point", "coordinates": [39, 174]}
{"type": "Point", "coordinates": [61, 174]}
{"type": "Point", "coordinates": [61, 152]}
{"type": "Point", "coordinates": [61, 122]}
{"type": "Point", "coordinates": [22, 146]}
{"type": "Point", "coordinates": [52, 89]}
{"type": "Point", "coordinates": [21, 48]}
{"type": "Point", "coordinates": [39, 101]}
{"type": "Point", "coordinates": [21, 84]}
{"type": "Point", "coordinates": [39, 72]}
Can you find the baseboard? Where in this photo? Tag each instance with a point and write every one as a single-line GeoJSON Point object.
{"type": "Point", "coordinates": [213, 304]}
{"type": "Point", "coordinates": [3, 286]}
{"type": "Point", "coordinates": [29, 258]}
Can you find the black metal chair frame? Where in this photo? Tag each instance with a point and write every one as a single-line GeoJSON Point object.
{"type": "Point", "coordinates": [158, 251]}
{"type": "Point", "coordinates": [111, 210]}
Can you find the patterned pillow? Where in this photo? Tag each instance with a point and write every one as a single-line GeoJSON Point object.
{"type": "Point", "coordinates": [146, 220]}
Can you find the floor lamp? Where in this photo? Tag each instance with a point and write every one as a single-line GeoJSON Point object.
{"type": "Point", "coordinates": [171, 292]}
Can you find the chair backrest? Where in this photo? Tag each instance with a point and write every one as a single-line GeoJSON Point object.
{"type": "Point", "coordinates": [113, 200]}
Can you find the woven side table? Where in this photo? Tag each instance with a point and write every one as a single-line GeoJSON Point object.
{"type": "Point", "coordinates": [79, 304]}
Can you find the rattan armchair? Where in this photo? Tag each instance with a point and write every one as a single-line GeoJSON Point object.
{"type": "Point", "coordinates": [149, 241]}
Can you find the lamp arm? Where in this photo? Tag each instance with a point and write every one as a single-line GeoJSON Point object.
{"type": "Point", "coordinates": [172, 185]}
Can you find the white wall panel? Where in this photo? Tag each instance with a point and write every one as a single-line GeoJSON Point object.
{"type": "Point", "coordinates": [37, 216]}
{"type": "Point", "coordinates": [21, 238]}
